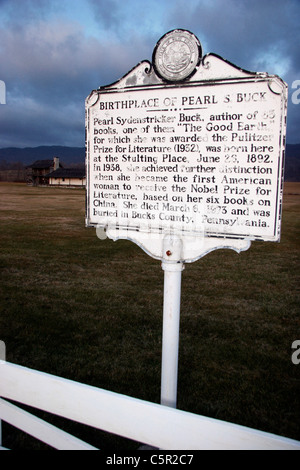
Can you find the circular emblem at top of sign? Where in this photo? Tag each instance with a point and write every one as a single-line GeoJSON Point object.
{"type": "Point", "coordinates": [176, 55]}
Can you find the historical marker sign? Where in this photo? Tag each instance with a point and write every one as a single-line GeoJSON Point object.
{"type": "Point", "coordinates": [184, 156]}
{"type": "Point", "coordinates": [193, 147]}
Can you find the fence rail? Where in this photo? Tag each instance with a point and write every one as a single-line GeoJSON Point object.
{"type": "Point", "coordinates": [149, 423]}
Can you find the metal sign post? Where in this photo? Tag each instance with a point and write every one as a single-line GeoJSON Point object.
{"type": "Point", "coordinates": [171, 320]}
{"type": "Point", "coordinates": [185, 155]}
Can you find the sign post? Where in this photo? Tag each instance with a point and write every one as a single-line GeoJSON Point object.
{"type": "Point", "coordinates": [171, 321]}
{"type": "Point", "coordinates": [185, 155]}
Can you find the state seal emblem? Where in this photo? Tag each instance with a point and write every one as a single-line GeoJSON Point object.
{"type": "Point", "coordinates": [176, 55]}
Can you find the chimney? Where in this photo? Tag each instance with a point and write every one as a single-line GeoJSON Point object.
{"type": "Point", "coordinates": [56, 163]}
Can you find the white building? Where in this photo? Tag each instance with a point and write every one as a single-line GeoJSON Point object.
{"type": "Point", "coordinates": [68, 177]}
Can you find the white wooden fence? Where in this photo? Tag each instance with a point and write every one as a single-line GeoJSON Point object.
{"type": "Point", "coordinates": [149, 423]}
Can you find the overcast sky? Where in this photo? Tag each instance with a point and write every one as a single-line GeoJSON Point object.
{"type": "Point", "coordinates": [53, 53]}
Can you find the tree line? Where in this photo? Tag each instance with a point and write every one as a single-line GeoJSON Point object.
{"type": "Point", "coordinates": [12, 171]}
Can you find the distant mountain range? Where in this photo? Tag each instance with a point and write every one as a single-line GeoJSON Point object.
{"type": "Point", "coordinates": [28, 155]}
{"type": "Point", "coordinates": [75, 156]}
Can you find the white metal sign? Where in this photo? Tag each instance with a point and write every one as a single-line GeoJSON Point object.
{"type": "Point", "coordinates": [200, 159]}
{"type": "Point", "coordinates": [184, 156]}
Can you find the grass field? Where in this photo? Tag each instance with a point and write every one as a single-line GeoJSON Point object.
{"type": "Point", "coordinates": [91, 310]}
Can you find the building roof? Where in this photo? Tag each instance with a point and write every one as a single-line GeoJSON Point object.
{"type": "Point", "coordinates": [44, 164]}
{"type": "Point", "coordinates": [41, 164]}
{"type": "Point", "coordinates": [67, 173]}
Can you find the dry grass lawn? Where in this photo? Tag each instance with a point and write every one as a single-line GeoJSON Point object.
{"type": "Point", "coordinates": [91, 310]}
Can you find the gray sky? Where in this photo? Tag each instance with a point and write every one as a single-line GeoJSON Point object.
{"type": "Point", "coordinates": [54, 53]}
